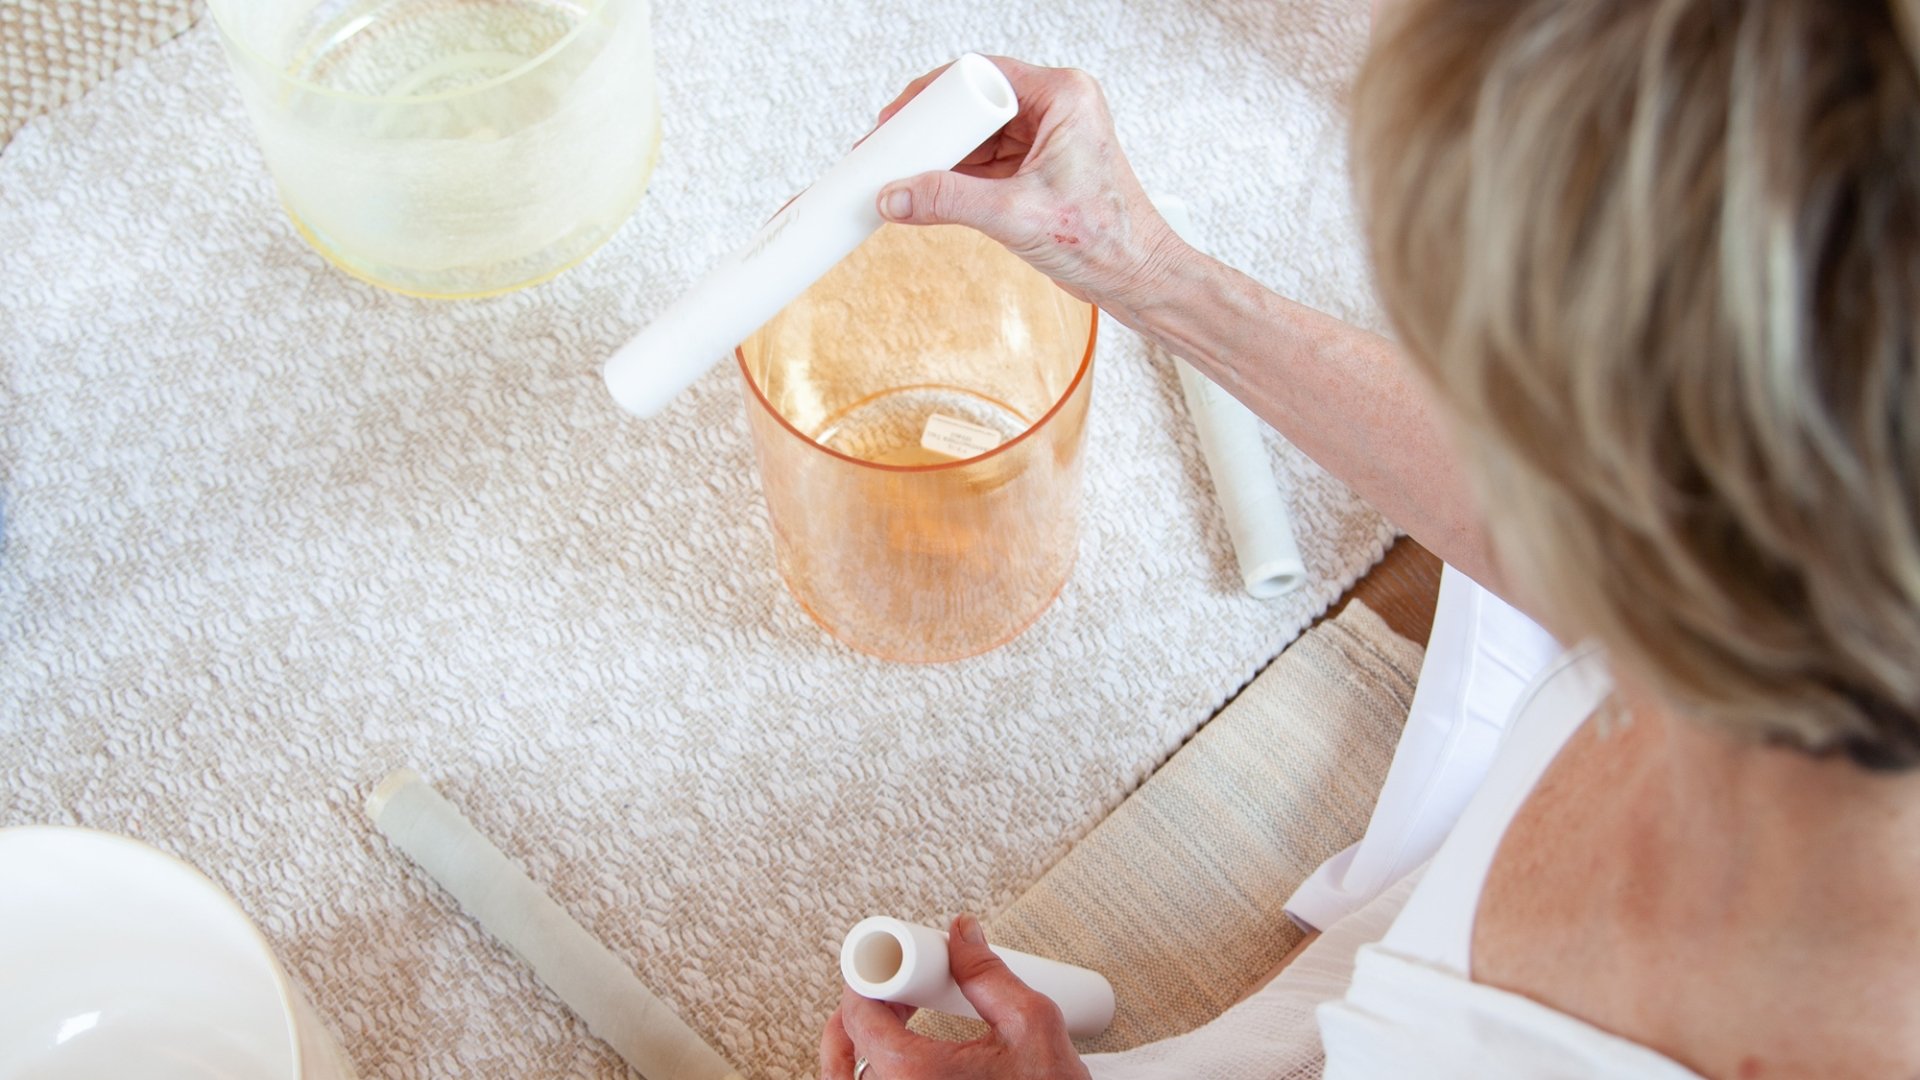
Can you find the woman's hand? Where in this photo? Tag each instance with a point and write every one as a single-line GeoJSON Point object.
{"type": "Point", "coordinates": [1054, 188]}
{"type": "Point", "coordinates": [1028, 1040]}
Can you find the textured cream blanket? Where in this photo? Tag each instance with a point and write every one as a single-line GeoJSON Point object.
{"type": "Point", "coordinates": [269, 533]}
{"type": "Point", "coordinates": [52, 51]}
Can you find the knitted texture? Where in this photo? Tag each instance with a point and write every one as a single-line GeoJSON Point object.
{"type": "Point", "coordinates": [52, 51]}
{"type": "Point", "coordinates": [270, 532]}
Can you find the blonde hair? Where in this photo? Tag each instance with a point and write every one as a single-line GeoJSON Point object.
{"type": "Point", "coordinates": [1662, 260]}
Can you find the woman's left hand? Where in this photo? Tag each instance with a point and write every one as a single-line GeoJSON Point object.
{"type": "Point", "coordinates": [1027, 1041]}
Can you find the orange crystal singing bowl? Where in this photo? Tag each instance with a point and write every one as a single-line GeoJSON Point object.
{"type": "Point", "coordinates": [898, 550]}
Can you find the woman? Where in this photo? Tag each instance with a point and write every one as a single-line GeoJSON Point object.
{"type": "Point", "coordinates": [1655, 266]}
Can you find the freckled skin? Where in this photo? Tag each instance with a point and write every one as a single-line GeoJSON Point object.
{"type": "Point", "coordinates": [1783, 955]}
{"type": "Point", "coordinates": [1054, 187]}
{"type": "Point", "coordinates": [1066, 226]}
{"type": "Point", "coordinates": [1074, 208]}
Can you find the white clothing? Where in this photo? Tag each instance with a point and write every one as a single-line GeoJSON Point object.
{"type": "Point", "coordinates": [1412, 1008]}
{"type": "Point", "coordinates": [1481, 656]}
{"type": "Point", "coordinates": [1391, 983]}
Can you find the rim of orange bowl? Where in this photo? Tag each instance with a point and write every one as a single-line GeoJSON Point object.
{"type": "Point", "coordinates": [1079, 375]}
{"type": "Point", "coordinates": [591, 11]}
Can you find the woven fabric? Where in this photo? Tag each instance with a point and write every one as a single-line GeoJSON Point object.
{"type": "Point", "coordinates": [1177, 895]}
{"type": "Point", "coordinates": [270, 533]}
{"type": "Point", "coordinates": [52, 51]}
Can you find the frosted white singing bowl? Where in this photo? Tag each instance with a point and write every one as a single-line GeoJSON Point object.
{"type": "Point", "coordinates": [118, 960]}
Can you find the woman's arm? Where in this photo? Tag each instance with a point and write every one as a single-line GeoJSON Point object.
{"type": "Point", "coordinates": [1345, 397]}
{"type": "Point", "coordinates": [1055, 188]}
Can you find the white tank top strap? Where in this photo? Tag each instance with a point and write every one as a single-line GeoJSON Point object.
{"type": "Point", "coordinates": [1436, 927]}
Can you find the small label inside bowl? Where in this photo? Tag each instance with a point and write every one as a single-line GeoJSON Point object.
{"type": "Point", "coordinates": [957, 438]}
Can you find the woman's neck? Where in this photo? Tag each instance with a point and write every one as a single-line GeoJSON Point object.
{"type": "Point", "coordinates": [1802, 873]}
{"type": "Point", "coordinates": [1783, 814]}
{"type": "Point", "coordinates": [1749, 911]}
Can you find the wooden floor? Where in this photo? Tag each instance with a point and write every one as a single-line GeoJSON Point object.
{"type": "Point", "coordinates": [1402, 590]}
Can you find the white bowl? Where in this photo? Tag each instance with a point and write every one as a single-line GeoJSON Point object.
{"type": "Point", "coordinates": [118, 960]}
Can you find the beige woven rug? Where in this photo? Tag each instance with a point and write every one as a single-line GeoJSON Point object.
{"type": "Point", "coordinates": [269, 533]}
{"type": "Point", "coordinates": [52, 51]}
{"type": "Point", "coordinates": [1177, 895]}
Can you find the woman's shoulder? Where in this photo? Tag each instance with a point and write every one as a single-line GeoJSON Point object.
{"type": "Point", "coordinates": [1402, 1017]}
{"type": "Point", "coordinates": [1419, 1003]}
{"type": "Point", "coordinates": [1635, 891]}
